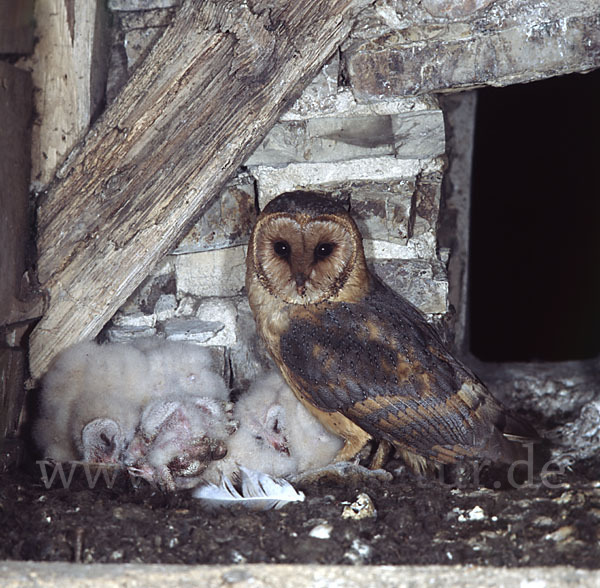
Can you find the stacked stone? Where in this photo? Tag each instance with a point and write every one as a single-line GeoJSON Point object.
{"type": "Point", "coordinates": [388, 155]}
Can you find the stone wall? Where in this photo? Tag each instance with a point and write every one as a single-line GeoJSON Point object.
{"type": "Point", "coordinates": [388, 155]}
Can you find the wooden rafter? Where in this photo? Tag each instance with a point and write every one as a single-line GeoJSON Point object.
{"type": "Point", "coordinates": [205, 96]}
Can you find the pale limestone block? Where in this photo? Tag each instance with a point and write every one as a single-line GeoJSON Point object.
{"type": "Point", "coordinates": [223, 311]}
{"type": "Point", "coordinates": [421, 282]}
{"type": "Point", "coordinates": [273, 181]}
{"type": "Point", "coordinates": [135, 319]}
{"type": "Point", "coordinates": [419, 134]}
{"type": "Point", "coordinates": [453, 9]}
{"type": "Point", "coordinates": [442, 45]}
{"type": "Point", "coordinates": [422, 247]}
{"type": "Point", "coordinates": [141, 4]}
{"type": "Point", "coordinates": [343, 103]}
{"type": "Point", "coordinates": [186, 307]}
{"type": "Point", "coordinates": [192, 329]}
{"type": "Point", "coordinates": [211, 273]}
{"type": "Point", "coordinates": [409, 135]}
{"type": "Point", "coordinates": [128, 333]}
{"type": "Point", "coordinates": [165, 307]}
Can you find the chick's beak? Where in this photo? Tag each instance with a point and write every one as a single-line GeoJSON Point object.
{"type": "Point", "coordinates": [281, 446]}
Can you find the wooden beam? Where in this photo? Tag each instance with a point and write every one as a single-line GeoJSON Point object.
{"type": "Point", "coordinates": [16, 27]}
{"type": "Point", "coordinates": [205, 96]}
{"type": "Point", "coordinates": [15, 118]}
{"type": "Point", "coordinates": [15, 142]}
{"type": "Point", "coordinates": [67, 61]}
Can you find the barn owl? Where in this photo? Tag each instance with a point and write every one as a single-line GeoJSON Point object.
{"type": "Point", "coordinates": [154, 406]}
{"type": "Point", "coordinates": [359, 356]}
{"type": "Point", "coordinates": [176, 439]}
{"type": "Point", "coordinates": [91, 401]}
{"type": "Point", "coordinates": [181, 367]}
{"type": "Point", "coordinates": [275, 434]}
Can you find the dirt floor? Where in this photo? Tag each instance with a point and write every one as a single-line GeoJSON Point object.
{"type": "Point", "coordinates": [417, 521]}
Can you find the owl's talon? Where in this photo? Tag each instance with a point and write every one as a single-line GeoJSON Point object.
{"type": "Point", "coordinates": [341, 472]}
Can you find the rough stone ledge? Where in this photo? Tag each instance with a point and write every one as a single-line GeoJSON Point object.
{"type": "Point", "coordinates": [127, 5]}
{"type": "Point", "coordinates": [273, 181]}
{"type": "Point", "coordinates": [413, 135]}
{"type": "Point", "coordinates": [560, 38]}
{"type": "Point", "coordinates": [20, 573]}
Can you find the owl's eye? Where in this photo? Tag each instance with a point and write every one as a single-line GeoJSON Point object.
{"type": "Point", "coordinates": [323, 250]}
{"type": "Point", "coordinates": [282, 249]}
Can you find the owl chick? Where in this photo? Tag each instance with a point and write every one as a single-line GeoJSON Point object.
{"type": "Point", "coordinates": [178, 436]}
{"type": "Point", "coordinates": [181, 368]}
{"type": "Point", "coordinates": [155, 403]}
{"type": "Point", "coordinates": [102, 441]}
{"type": "Point", "coordinates": [276, 435]}
{"type": "Point", "coordinates": [91, 402]}
{"type": "Point", "coordinates": [359, 356]}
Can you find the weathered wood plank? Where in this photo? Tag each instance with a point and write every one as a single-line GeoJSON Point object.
{"type": "Point", "coordinates": [16, 27]}
{"type": "Point", "coordinates": [15, 118]}
{"type": "Point", "coordinates": [205, 96]}
{"type": "Point", "coordinates": [12, 391]}
{"type": "Point", "coordinates": [515, 42]}
{"type": "Point", "coordinates": [69, 72]}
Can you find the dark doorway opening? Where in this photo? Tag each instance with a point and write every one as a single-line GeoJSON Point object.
{"type": "Point", "coordinates": [534, 275]}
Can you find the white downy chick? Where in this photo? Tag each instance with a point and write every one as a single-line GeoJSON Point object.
{"type": "Point", "coordinates": [91, 402]}
{"type": "Point", "coordinates": [93, 397]}
{"type": "Point", "coordinates": [102, 441]}
{"type": "Point", "coordinates": [178, 436]}
{"type": "Point", "coordinates": [276, 434]}
{"type": "Point", "coordinates": [178, 367]}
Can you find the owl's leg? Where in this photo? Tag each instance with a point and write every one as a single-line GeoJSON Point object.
{"type": "Point", "coordinates": [381, 455]}
{"type": "Point", "coordinates": [348, 451]}
{"type": "Point", "coordinates": [354, 437]}
{"type": "Point", "coordinates": [417, 463]}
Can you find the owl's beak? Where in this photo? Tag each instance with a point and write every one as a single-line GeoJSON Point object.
{"type": "Point", "coordinates": [300, 280]}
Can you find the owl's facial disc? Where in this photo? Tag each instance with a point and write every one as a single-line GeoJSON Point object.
{"type": "Point", "coordinates": [304, 262]}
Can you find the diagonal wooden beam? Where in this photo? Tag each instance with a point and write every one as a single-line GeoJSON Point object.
{"type": "Point", "coordinates": [206, 95]}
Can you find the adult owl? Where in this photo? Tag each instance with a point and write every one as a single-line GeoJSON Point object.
{"type": "Point", "coordinates": [358, 355]}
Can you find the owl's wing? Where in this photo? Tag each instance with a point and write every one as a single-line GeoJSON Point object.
{"type": "Point", "coordinates": [380, 364]}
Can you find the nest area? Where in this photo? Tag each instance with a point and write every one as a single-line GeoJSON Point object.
{"type": "Point", "coordinates": [414, 521]}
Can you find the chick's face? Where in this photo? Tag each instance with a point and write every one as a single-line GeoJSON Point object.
{"type": "Point", "coordinates": [302, 259]}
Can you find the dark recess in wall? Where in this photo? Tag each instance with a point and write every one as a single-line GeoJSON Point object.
{"type": "Point", "coordinates": [534, 290]}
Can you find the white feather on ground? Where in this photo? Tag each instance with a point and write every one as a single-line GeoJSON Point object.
{"type": "Point", "coordinates": [259, 491]}
{"type": "Point", "coordinates": [276, 434]}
